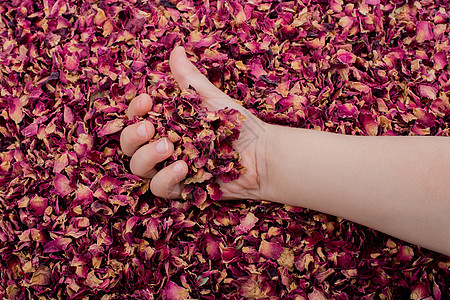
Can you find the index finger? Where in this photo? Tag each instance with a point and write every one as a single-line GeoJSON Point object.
{"type": "Point", "coordinates": [139, 106]}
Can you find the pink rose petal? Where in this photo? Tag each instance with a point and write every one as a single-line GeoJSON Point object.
{"type": "Point", "coordinates": [270, 250]}
{"type": "Point", "coordinates": [247, 223]}
{"type": "Point", "coordinates": [62, 185]}
{"type": "Point", "coordinates": [428, 91]}
{"type": "Point", "coordinates": [172, 291]}
{"type": "Point", "coordinates": [440, 60]}
{"type": "Point", "coordinates": [346, 57]}
{"type": "Point", "coordinates": [423, 32]}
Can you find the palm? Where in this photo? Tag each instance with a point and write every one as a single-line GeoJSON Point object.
{"type": "Point", "coordinates": [251, 141]}
{"type": "Point", "coordinates": [250, 146]}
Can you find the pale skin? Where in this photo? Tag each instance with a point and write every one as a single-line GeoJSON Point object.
{"type": "Point", "coordinates": [397, 185]}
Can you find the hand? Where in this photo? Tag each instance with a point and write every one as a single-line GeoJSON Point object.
{"type": "Point", "coordinates": [166, 183]}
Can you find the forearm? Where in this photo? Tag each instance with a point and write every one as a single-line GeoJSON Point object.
{"type": "Point", "coordinates": [397, 185]}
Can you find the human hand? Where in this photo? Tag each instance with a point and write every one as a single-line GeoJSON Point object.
{"type": "Point", "coordinates": [167, 182]}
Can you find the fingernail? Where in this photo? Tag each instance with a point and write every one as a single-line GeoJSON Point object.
{"type": "Point", "coordinates": [140, 103]}
{"type": "Point", "coordinates": [162, 146]}
{"type": "Point", "coordinates": [142, 131]}
{"type": "Point", "coordinates": [178, 168]}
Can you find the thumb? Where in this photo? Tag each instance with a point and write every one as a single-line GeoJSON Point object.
{"type": "Point", "coordinates": [186, 74]}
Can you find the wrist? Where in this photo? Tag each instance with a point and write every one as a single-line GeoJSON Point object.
{"type": "Point", "coordinates": [269, 163]}
{"type": "Point", "coordinates": [286, 152]}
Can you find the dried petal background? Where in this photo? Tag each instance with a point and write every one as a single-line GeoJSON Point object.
{"type": "Point", "coordinates": [74, 224]}
{"type": "Point", "coordinates": [202, 138]}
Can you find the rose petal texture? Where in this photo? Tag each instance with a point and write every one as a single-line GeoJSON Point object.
{"type": "Point", "coordinates": [76, 224]}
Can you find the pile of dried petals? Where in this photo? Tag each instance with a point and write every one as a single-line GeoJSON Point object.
{"type": "Point", "coordinates": [74, 224]}
{"type": "Point", "coordinates": [203, 139]}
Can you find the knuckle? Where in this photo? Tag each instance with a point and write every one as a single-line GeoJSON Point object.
{"type": "Point", "coordinates": [157, 189]}
{"type": "Point", "coordinates": [143, 161]}
{"type": "Point", "coordinates": [130, 111]}
{"type": "Point", "coordinates": [139, 166]}
{"type": "Point", "coordinates": [124, 141]}
{"type": "Point", "coordinates": [135, 169]}
{"type": "Point", "coordinates": [165, 185]}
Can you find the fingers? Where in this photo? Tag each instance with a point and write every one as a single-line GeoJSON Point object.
{"type": "Point", "coordinates": [166, 183]}
{"type": "Point", "coordinates": [139, 106]}
{"type": "Point", "coordinates": [186, 74]}
{"type": "Point", "coordinates": [143, 161]}
{"type": "Point", "coordinates": [133, 136]}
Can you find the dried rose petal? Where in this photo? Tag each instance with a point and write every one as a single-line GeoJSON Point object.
{"type": "Point", "coordinates": [369, 124]}
{"type": "Point", "coordinates": [440, 60]}
{"type": "Point", "coordinates": [39, 204]}
{"type": "Point", "coordinates": [212, 247]}
{"type": "Point", "coordinates": [62, 185]}
{"type": "Point", "coordinates": [175, 292]}
{"type": "Point", "coordinates": [41, 276]}
{"type": "Point", "coordinates": [75, 224]}
{"type": "Point", "coordinates": [424, 32]}
{"type": "Point", "coordinates": [347, 110]}
{"type": "Point", "coordinates": [15, 110]}
{"type": "Point", "coordinates": [270, 250]}
{"type": "Point", "coordinates": [405, 253]}
{"type": "Point", "coordinates": [111, 127]}
{"type": "Point", "coordinates": [428, 91]}
{"type": "Point", "coordinates": [346, 57]}
{"type": "Point", "coordinates": [59, 244]}
{"type": "Point", "coordinates": [247, 223]}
